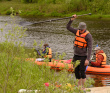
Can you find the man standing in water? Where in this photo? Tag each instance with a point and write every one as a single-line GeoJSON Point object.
{"type": "Point", "coordinates": [82, 50]}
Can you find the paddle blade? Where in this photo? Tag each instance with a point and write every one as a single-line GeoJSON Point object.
{"type": "Point", "coordinates": [24, 23]}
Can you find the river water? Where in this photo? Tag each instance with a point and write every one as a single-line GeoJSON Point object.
{"type": "Point", "coordinates": [60, 39]}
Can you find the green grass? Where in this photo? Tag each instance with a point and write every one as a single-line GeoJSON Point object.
{"type": "Point", "coordinates": [49, 9]}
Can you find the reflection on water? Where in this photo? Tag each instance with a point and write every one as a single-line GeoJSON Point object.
{"type": "Point", "coordinates": [60, 39]}
{"type": "Point", "coordinates": [100, 80]}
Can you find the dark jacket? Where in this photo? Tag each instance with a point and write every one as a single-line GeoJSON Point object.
{"type": "Point", "coordinates": [82, 51]}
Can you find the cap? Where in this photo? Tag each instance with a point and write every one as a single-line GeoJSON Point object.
{"type": "Point", "coordinates": [97, 48]}
{"type": "Point", "coordinates": [82, 25]}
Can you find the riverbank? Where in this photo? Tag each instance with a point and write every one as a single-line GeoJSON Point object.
{"type": "Point", "coordinates": [44, 10]}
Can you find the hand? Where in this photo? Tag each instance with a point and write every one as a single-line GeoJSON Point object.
{"type": "Point", "coordinates": [86, 62]}
{"type": "Point", "coordinates": [73, 17]}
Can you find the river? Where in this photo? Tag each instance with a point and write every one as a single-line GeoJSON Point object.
{"type": "Point", "coordinates": [60, 39]}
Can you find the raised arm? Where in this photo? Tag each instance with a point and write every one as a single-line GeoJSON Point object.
{"type": "Point", "coordinates": [71, 29]}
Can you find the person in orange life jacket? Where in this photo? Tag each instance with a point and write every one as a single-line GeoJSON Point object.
{"type": "Point", "coordinates": [82, 49]}
{"type": "Point", "coordinates": [100, 58]}
{"type": "Point", "coordinates": [46, 51]}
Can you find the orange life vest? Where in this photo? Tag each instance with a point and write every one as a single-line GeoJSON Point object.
{"type": "Point", "coordinates": [104, 59]}
{"type": "Point", "coordinates": [49, 54]}
{"type": "Point", "coordinates": [80, 39]}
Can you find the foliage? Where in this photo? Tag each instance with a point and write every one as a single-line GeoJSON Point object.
{"type": "Point", "coordinates": [56, 8]}
{"type": "Point", "coordinates": [79, 5]}
{"type": "Point", "coordinates": [26, 1]}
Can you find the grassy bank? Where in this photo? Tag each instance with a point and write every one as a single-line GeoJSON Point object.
{"type": "Point", "coordinates": [54, 10]}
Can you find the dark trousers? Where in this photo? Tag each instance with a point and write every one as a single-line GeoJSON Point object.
{"type": "Point", "coordinates": [49, 59]}
{"type": "Point", "coordinates": [80, 69]}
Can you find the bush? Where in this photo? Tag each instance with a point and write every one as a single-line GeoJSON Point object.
{"type": "Point", "coordinates": [8, 12]}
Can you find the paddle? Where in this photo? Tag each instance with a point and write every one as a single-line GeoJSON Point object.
{"type": "Point", "coordinates": [24, 23]}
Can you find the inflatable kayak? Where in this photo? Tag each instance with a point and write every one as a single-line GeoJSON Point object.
{"type": "Point", "coordinates": [99, 70]}
{"type": "Point", "coordinates": [55, 64]}
{"type": "Point", "coordinates": [61, 64]}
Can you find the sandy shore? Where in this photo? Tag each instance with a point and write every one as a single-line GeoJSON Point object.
{"type": "Point", "coordinates": [99, 89]}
